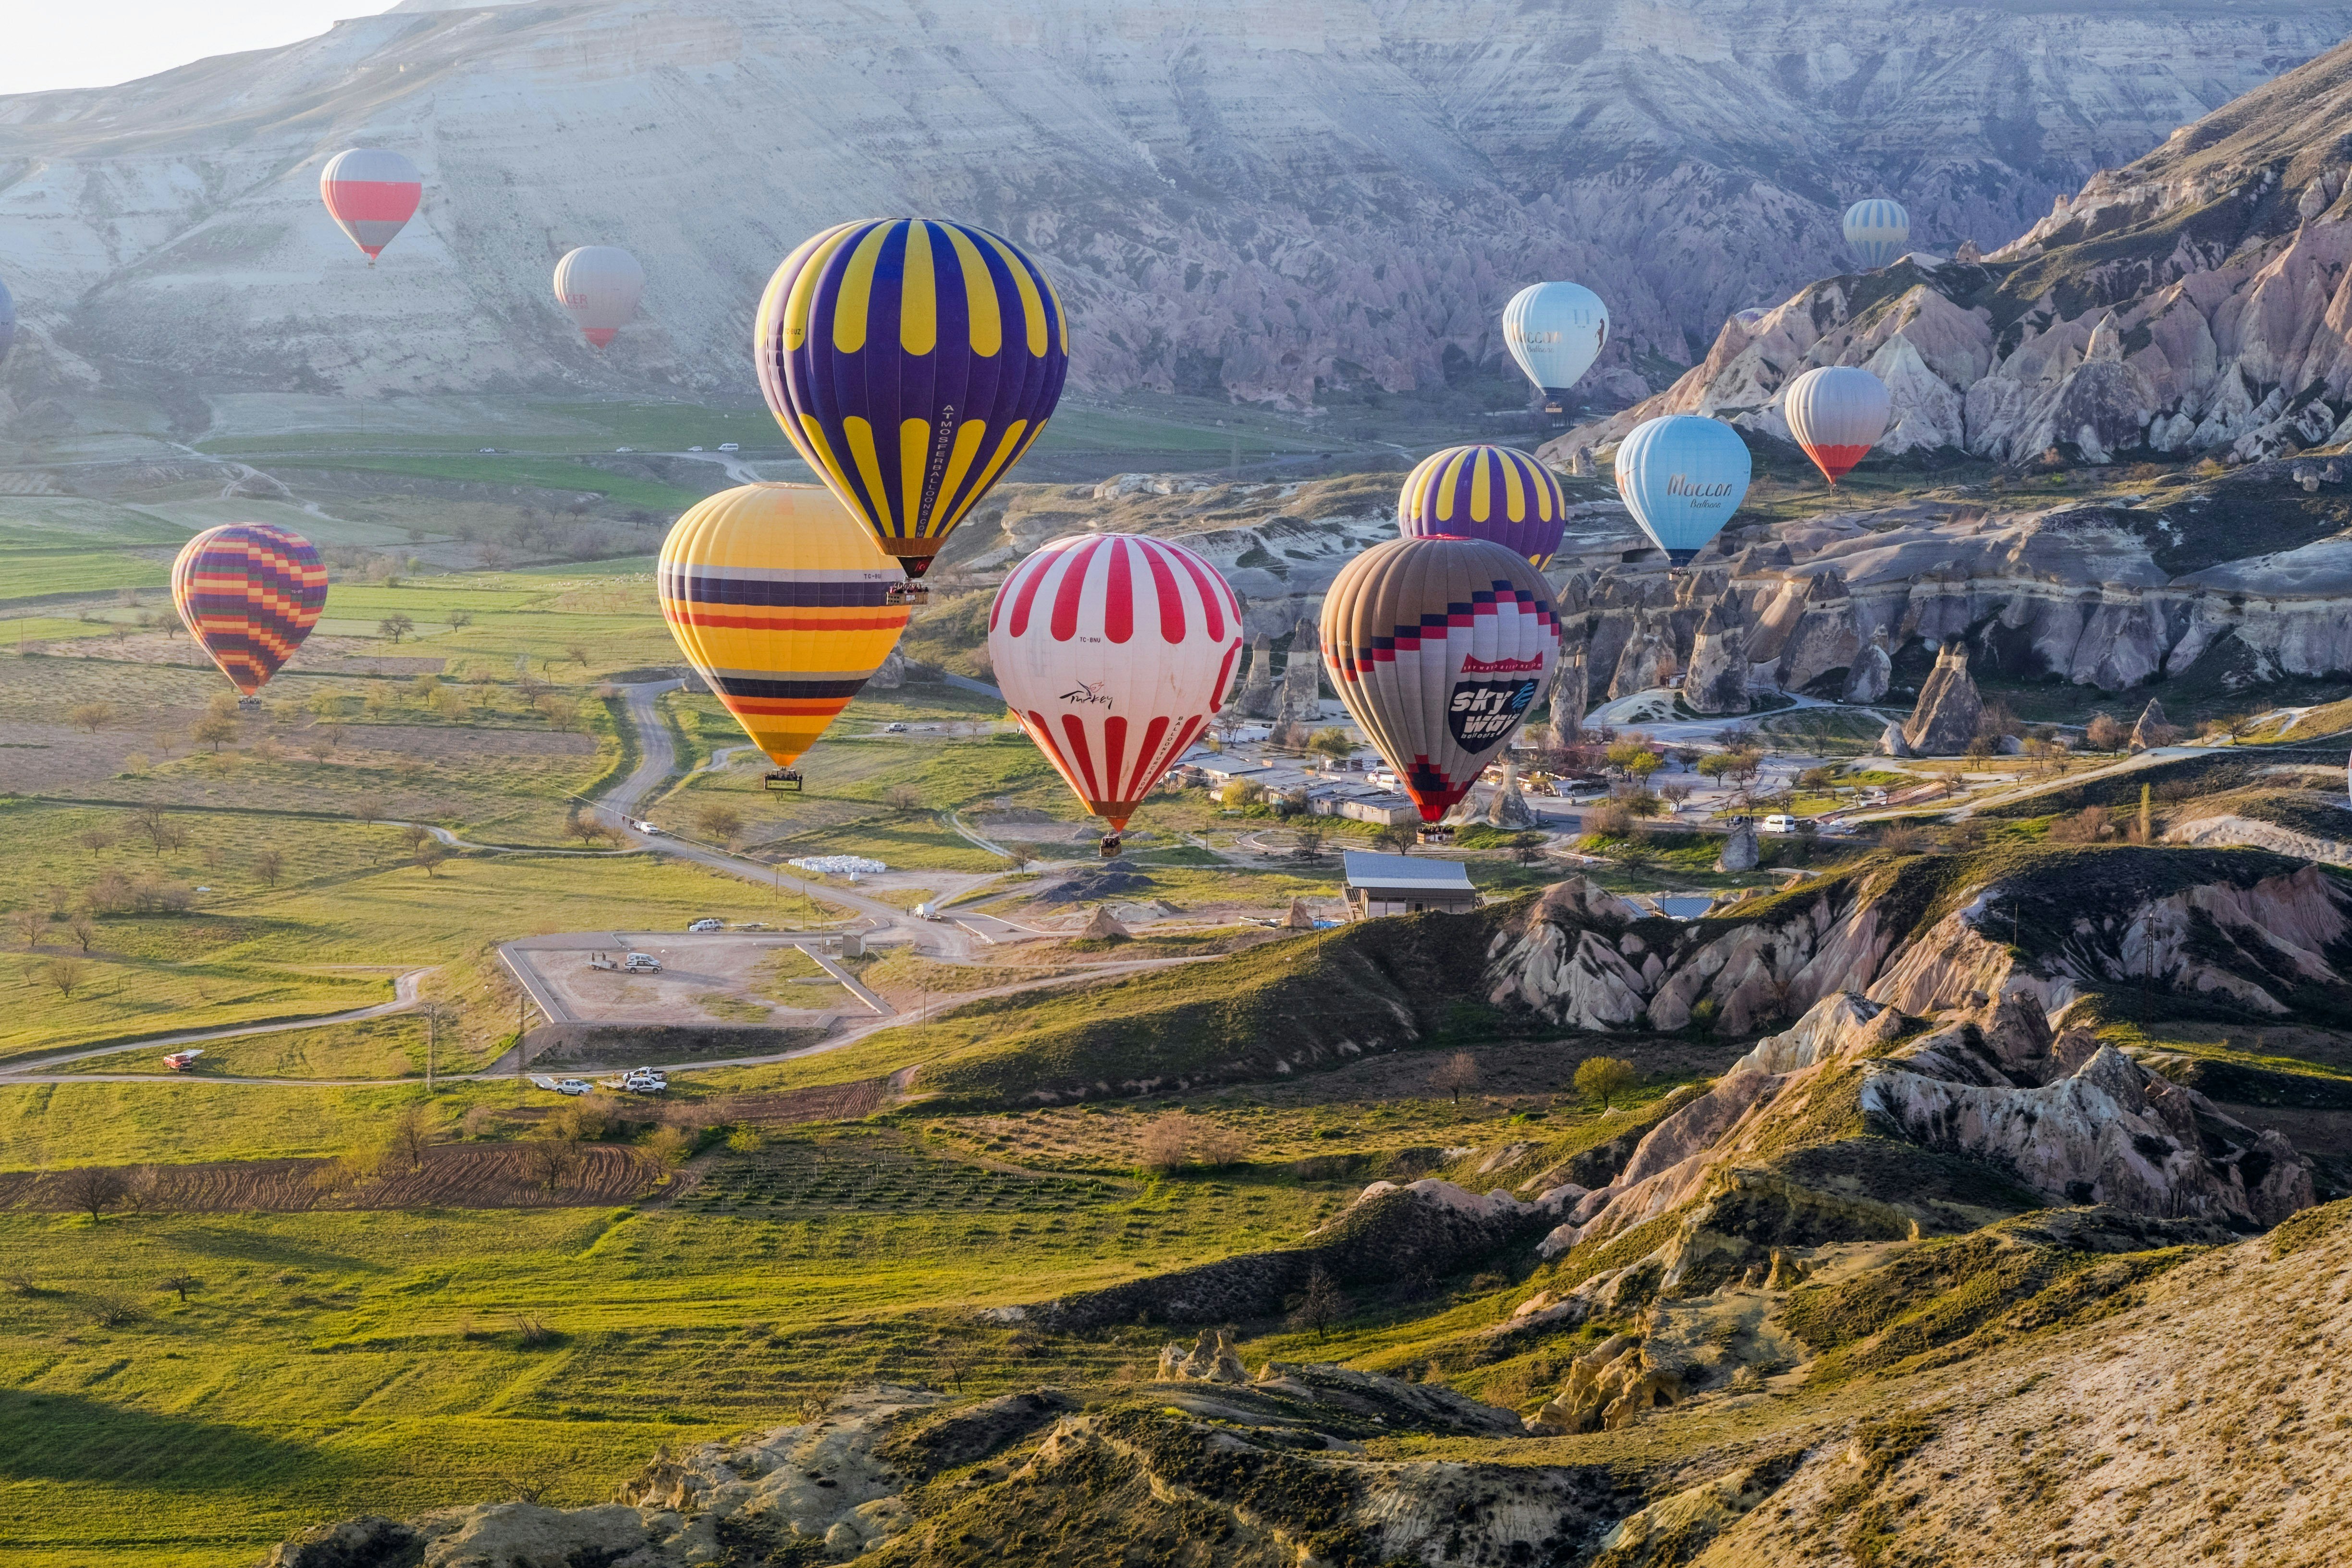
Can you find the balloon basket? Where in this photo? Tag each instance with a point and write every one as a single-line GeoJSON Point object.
{"type": "Point", "coordinates": [909, 593]}
{"type": "Point", "coordinates": [1433, 835]}
{"type": "Point", "coordinates": [248, 704]}
{"type": "Point", "coordinates": [1108, 849]}
{"type": "Point", "coordinates": [786, 781]}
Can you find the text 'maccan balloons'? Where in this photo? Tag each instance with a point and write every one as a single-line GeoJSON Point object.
{"type": "Point", "coordinates": [1837, 413]}
{"type": "Point", "coordinates": [778, 598]}
{"type": "Point", "coordinates": [1114, 650]}
{"type": "Point", "coordinates": [1555, 330]}
{"type": "Point", "coordinates": [371, 193]}
{"type": "Point", "coordinates": [1877, 229]}
{"type": "Point", "coordinates": [599, 286]}
{"type": "Point", "coordinates": [912, 362]}
{"type": "Point", "coordinates": [1439, 646]}
{"type": "Point", "coordinates": [249, 593]}
{"type": "Point", "coordinates": [1486, 492]}
{"type": "Point", "coordinates": [1683, 476]}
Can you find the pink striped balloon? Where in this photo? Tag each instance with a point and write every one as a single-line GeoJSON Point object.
{"type": "Point", "coordinates": [1114, 650]}
{"type": "Point", "coordinates": [371, 193]}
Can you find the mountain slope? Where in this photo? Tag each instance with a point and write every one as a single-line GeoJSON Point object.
{"type": "Point", "coordinates": [1266, 201]}
{"type": "Point", "coordinates": [2195, 301]}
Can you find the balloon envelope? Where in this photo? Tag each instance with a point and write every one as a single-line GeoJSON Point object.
{"type": "Point", "coordinates": [912, 362]}
{"type": "Point", "coordinates": [600, 285]}
{"type": "Point", "coordinates": [1114, 650]}
{"type": "Point", "coordinates": [1752, 317]}
{"type": "Point", "coordinates": [8, 321]}
{"type": "Point", "coordinates": [1683, 476]}
{"type": "Point", "coordinates": [1486, 492]}
{"type": "Point", "coordinates": [1439, 646]}
{"type": "Point", "coordinates": [1878, 230]}
{"type": "Point", "coordinates": [1554, 331]}
{"type": "Point", "coordinates": [778, 598]}
{"type": "Point", "coordinates": [1837, 413]}
{"type": "Point", "coordinates": [371, 193]}
{"type": "Point", "coordinates": [249, 593]}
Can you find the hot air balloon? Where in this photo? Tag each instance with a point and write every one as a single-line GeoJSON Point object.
{"type": "Point", "coordinates": [1554, 331]}
{"type": "Point", "coordinates": [1752, 317]}
{"type": "Point", "coordinates": [912, 362]}
{"type": "Point", "coordinates": [778, 598]}
{"type": "Point", "coordinates": [1683, 476]}
{"type": "Point", "coordinates": [250, 593]}
{"type": "Point", "coordinates": [1114, 651]}
{"type": "Point", "coordinates": [1439, 646]}
{"type": "Point", "coordinates": [600, 285]}
{"type": "Point", "coordinates": [1486, 492]}
{"type": "Point", "coordinates": [1837, 413]}
{"type": "Point", "coordinates": [8, 321]}
{"type": "Point", "coordinates": [1877, 229]}
{"type": "Point", "coordinates": [371, 193]}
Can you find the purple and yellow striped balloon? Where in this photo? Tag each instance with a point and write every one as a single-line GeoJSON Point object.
{"type": "Point", "coordinates": [912, 362]}
{"type": "Point", "coordinates": [1486, 492]}
{"type": "Point", "coordinates": [249, 594]}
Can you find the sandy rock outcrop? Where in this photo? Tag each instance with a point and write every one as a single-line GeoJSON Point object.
{"type": "Point", "coordinates": [1715, 681]}
{"type": "Point", "coordinates": [2152, 729]}
{"type": "Point", "coordinates": [1211, 1359]}
{"type": "Point", "coordinates": [1944, 723]}
{"type": "Point", "coordinates": [1872, 672]}
{"type": "Point", "coordinates": [1740, 851]}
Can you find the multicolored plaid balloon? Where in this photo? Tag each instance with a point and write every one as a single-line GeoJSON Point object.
{"type": "Point", "coordinates": [912, 362]}
{"type": "Point", "coordinates": [250, 593]}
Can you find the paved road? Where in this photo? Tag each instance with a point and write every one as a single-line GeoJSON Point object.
{"type": "Point", "coordinates": [403, 996]}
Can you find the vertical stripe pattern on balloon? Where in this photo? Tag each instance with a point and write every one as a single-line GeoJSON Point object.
{"type": "Point", "coordinates": [912, 362]}
{"type": "Point", "coordinates": [1486, 492]}
{"type": "Point", "coordinates": [1877, 229]}
{"type": "Point", "coordinates": [1440, 647]}
{"type": "Point", "coordinates": [1114, 651]}
{"type": "Point", "coordinates": [249, 593]}
{"type": "Point", "coordinates": [778, 598]}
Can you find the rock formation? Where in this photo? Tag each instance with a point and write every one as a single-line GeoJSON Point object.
{"type": "Point", "coordinates": [1299, 274]}
{"type": "Point", "coordinates": [2100, 331]}
{"type": "Point", "coordinates": [1872, 672]}
{"type": "Point", "coordinates": [1944, 723]}
{"type": "Point", "coordinates": [1210, 1360]}
{"type": "Point", "coordinates": [1740, 851]}
{"type": "Point", "coordinates": [1257, 698]}
{"type": "Point", "coordinates": [1645, 664]}
{"type": "Point", "coordinates": [1715, 681]}
{"type": "Point", "coordinates": [1567, 712]}
{"type": "Point", "coordinates": [1102, 926]}
{"type": "Point", "coordinates": [2151, 730]}
{"type": "Point", "coordinates": [1301, 701]}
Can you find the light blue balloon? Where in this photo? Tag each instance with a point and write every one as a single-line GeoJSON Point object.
{"type": "Point", "coordinates": [1555, 330]}
{"type": "Point", "coordinates": [1878, 229]}
{"type": "Point", "coordinates": [1683, 476]}
{"type": "Point", "coordinates": [8, 321]}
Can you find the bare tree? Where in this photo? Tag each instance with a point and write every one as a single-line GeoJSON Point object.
{"type": "Point", "coordinates": [582, 825]}
{"type": "Point", "coordinates": [395, 626]}
{"type": "Point", "coordinates": [150, 822]}
{"type": "Point", "coordinates": [95, 839]}
{"type": "Point", "coordinates": [84, 929]}
{"type": "Point", "coordinates": [411, 1134]}
{"type": "Point", "coordinates": [577, 655]}
{"type": "Point", "coordinates": [430, 855]}
{"type": "Point", "coordinates": [1218, 1145]}
{"type": "Point", "coordinates": [1166, 1142]}
{"type": "Point", "coordinates": [1455, 1074]}
{"type": "Point", "coordinates": [215, 731]}
{"type": "Point", "coordinates": [65, 977]}
{"type": "Point", "coordinates": [93, 1189]}
{"type": "Point", "coordinates": [270, 865]}
{"type": "Point", "coordinates": [904, 798]}
{"type": "Point", "coordinates": [90, 716]}
{"type": "Point", "coordinates": [32, 925]}
{"type": "Point", "coordinates": [181, 1282]}
{"type": "Point", "coordinates": [548, 1160]}
{"type": "Point", "coordinates": [719, 822]}
{"type": "Point", "coordinates": [1320, 1305]}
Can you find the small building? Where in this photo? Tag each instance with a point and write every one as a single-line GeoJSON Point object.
{"type": "Point", "coordinates": [1401, 885]}
{"type": "Point", "coordinates": [1383, 808]}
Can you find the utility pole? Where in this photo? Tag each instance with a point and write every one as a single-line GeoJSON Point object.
{"type": "Point", "coordinates": [432, 1041]}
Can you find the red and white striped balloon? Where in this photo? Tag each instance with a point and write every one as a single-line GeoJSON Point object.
{"type": "Point", "coordinates": [1115, 651]}
{"type": "Point", "coordinates": [371, 193]}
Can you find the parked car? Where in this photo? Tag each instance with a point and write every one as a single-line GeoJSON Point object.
{"type": "Point", "coordinates": [642, 963]}
{"type": "Point", "coordinates": [693, 449]}
{"type": "Point", "coordinates": [730, 446]}
{"type": "Point", "coordinates": [707, 925]}
{"type": "Point", "coordinates": [1779, 822]}
{"type": "Point", "coordinates": [894, 728]}
{"type": "Point", "coordinates": [646, 1081]}
{"type": "Point", "coordinates": [572, 1086]}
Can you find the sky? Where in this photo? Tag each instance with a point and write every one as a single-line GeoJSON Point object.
{"type": "Point", "coordinates": [96, 43]}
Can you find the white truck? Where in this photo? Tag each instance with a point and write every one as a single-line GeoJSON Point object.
{"type": "Point", "coordinates": [642, 963]}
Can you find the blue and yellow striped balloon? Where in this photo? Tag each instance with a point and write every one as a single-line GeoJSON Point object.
{"type": "Point", "coordinates": [912, 362]}
{"type": "Point", "coordinates": [1877, 229]}
{"type": "Point", "coordinates": [1486, 492]}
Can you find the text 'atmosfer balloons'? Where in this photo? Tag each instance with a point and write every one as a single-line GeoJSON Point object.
{"type": "Point", "coordinates": [912, 362]}
{"type": "Point", "coordinates": [778, 598]}
{"type": "Point", "coordinates": [1439, 646]}
{"type": "Point", "coordinates": [1878, 230]}
{"type": "Point", "coordinates": [371, 193]}
{"type": "Point", "coordinates": [1486, 492]}
{"type": "Point", "coordinates": [249, 593]}
{"type": "Point", "coordinates": [1114, 651]}
{"type": "Point", "coordinates": [1683, 476]}
{"type": "Point", "coordinates": [1837, 413]}
{"type": "Point", "coordinates": [599, 286]}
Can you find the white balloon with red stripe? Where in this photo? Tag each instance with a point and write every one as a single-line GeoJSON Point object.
{"type": "Point", "coordinates": [1114, 650]}
{"type": "Point", "coordinates": [371, 192]}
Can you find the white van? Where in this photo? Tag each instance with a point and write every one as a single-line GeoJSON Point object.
{"type": "Point", "coordinates": [1779, 822]}
{"type": "Point", "coordinates": [642, 963]}
{"type": "Point", "coordinates": [730, 447]}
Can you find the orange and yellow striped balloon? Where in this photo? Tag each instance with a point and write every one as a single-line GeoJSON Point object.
{"type": "Point", "coordinates": [780, 599]}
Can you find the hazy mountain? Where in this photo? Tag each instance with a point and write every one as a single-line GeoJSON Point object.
{"type": "Point", "coordinates": [1235, 194]}
{"type": "Point", "coordinates": [2195, 301]}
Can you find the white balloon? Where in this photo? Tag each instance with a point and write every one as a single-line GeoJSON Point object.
{"type": "Point", "coordinates": [600, 285]}
{"type": "Point", "coordinates": [1555, 330]}
{"type": "Point", "coordinates": [1837, 413]}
